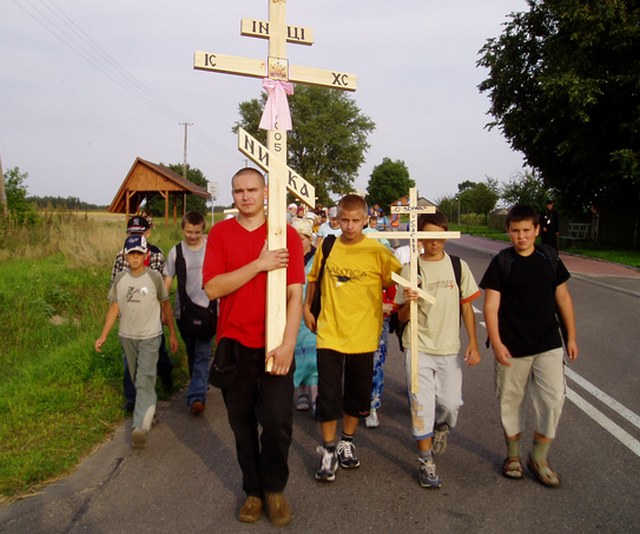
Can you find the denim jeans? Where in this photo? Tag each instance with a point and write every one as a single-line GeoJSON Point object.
{"type": "Point", "coordinates": [199, 356]}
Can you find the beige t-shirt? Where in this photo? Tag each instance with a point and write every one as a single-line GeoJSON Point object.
{"type": "Point", "coordinates": [138, 299]}
{"type": "Point", "coordinates": [439, 323]}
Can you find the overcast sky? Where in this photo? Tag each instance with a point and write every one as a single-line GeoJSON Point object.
{"type": "Point", "coordinates": [76, 112]}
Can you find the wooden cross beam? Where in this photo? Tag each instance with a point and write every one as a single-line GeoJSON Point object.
{"type": "Point", "coordinates": [273, 158]}
{"type": "Point", "coordinates": [413, 235]}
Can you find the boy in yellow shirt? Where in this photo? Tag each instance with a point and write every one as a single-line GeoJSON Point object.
{"type": "Point", "coordinates": [348, 329]}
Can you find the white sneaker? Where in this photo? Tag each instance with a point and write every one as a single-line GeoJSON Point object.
{"type": "Point", "coordinates": [371, 421]}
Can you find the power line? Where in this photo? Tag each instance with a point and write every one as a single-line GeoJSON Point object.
{"type": "Point", "coordinates": [95, 56]}
{"type": "Point", "coordinates": [53, 19]}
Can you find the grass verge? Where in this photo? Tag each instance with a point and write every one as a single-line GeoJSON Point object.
{"type": "Point", "coordinates": [628, 257]}
{"type": "Point", "coordinates": [58, 397]}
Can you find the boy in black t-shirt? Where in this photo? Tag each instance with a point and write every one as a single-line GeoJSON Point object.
{"type": "Point", "coordinates": [520, 312]}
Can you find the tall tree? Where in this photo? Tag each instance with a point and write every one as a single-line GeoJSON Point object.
{"type": "Point", "coordinates": [388, 182]}
{"type": "Point", "coordinates": [328, 142]}
{"type": "Point", "coordinates": [526, 188]}
{"type": "Point", "coordinates": [479, 198]}
{"type": "Point", "coordinates": [563, 85]}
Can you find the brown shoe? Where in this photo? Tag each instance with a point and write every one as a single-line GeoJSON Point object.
{"type": "Point", "coordinates": [251, 510]}
{"type": "Point", "coordinates": [197, 407]}
{"type": "Point", "coordinates": [543, 472]}
{"type": "Point", "coordinates": [278, 509]}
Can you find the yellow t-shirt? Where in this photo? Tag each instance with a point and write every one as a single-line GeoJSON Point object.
{"type": "Point", "coordinates": [350, 319]}
{"type": "Point", "coordinates": [439, 324]}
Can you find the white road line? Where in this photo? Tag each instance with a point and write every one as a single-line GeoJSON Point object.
{"type": "Point", "coordinates": [623, 411]}
{"type": "Point", "coordinates": [479, 312]}
{"type": "Point", "coordinates": [624, 437]}
{"type": "Point", "coordinates": [618, 432]}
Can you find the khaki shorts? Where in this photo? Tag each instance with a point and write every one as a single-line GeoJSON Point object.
{"type": "Point", "coordinates": [542, 376]}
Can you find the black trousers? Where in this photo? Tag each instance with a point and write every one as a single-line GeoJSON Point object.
{"type": "Point", "coordinates": [257, 398]}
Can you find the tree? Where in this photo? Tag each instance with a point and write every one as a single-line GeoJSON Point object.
{"type": "Point", "coordinates": [563, 85]}
{"type": "Point", "coordinates": [526, 188]}
{"type": "Point", "coordinates": [155, 205]}
{"type": "Point", "coordinates": [16, 191]}
{"type": "Point", "coordinates": [329, 138]}
{"type": "Point", "coordinates": [449, 206]}
{"type": "Point", "coordinates": [479, 198]}
{"type": "Point", "coordinates": [388, 182]}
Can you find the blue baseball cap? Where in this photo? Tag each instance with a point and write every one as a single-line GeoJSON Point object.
{"type": "Point", "coordinates": [135, 243]}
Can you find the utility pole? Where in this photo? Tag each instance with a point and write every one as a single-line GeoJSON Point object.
{"type": "Point", "coordinates": [184, 165]}
{"type": "Point", "coordinates": [3, 194]}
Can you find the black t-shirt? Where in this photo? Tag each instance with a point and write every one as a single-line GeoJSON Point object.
{"type": "Point", "coordinates": [527, 314]}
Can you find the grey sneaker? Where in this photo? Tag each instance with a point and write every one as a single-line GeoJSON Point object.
{"type": "Point", "coordinates": [427, 474]}
{"type": "Point", "coordinates": [347, 455]}
{"type": "Point", "coordinates": [328, 465]}
{"type": "Point", "coordinates": [440, 438]}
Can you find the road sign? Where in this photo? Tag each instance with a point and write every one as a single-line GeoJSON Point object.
{"type": "Point", "coordinates": [260, 155]}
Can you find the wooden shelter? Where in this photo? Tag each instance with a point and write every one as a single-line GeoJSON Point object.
{"type": "Point", "coordinates": [146, 179]}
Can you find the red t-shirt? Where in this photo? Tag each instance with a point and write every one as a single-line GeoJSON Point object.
{"type": "Point", "coordinates": [229, 247]}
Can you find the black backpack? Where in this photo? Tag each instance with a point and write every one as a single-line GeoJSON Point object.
{"type": "Point", "coordinates": [395, 325]}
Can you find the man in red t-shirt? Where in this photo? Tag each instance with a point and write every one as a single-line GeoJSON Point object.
{"type": "Point", "coordinates": [235, 271]}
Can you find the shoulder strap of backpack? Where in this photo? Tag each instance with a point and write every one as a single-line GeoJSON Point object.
{"type": "Point", "coordinates": [181, 274]}
{"type": "Point", "coordinates": [327, 245]}
{"type": "Point", "coordinates": [550, 254]}
{"type": "Point", "coordinates": [456, 263]}
{"type": "Point", "coordinates": [505, 259]}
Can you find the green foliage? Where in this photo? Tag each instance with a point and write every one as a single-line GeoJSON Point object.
{"type": "Point", "coordinates": [449, 206]}
{"type": "Point", "coordinates": [563, 85]}
{"type": "Point", "coordinates": [63, 203]}
{"type": "Point", "coordinates": [329, 138]}
{"type": "Point", "coordinates": [526, 188]}
{"type": "Point", "coordinates": [388, 182]}
{"type": "Point", "coordinates": [58, 397]}
{"type": "Point", "coordinates": [479, 198]}
{"type": "Point", "coordinates": [19, 207]}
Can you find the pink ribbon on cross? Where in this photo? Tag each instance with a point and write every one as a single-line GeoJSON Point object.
{"type": "Point", "coordinates": [276, 110]}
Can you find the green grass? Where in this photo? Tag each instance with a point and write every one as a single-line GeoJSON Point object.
{"type": "Point", "coordinates": [58, 397]}
{"type": "Point", "coordinates": [628, 257]}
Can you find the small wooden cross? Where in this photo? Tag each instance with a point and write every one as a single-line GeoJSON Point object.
{"type": "Point", "coordinates": [273, 159]}
{"type": "Point", "coordinates": [413, 235]}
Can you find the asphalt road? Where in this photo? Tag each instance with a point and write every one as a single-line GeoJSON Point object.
{"type": "Point", "coordinates": [187, 479]}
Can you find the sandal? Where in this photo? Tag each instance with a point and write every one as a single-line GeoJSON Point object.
{"type": "Point", "coordinates": [512, 468]}
{"type": "Point", "coordinates": [545, 475]}
{"type": "Point", "coordinates": [303, 403]}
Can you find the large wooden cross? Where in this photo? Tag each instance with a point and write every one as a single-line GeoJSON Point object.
{"type": "Point", "coordinates": [273, 158]}
{"type": "Point", "coordinates": [413, 234]}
